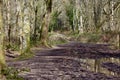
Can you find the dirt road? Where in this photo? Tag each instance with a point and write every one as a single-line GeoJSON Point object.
{"type": "Point", "coordinates": [63, 63]}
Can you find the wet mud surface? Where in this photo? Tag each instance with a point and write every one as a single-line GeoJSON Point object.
{"type": "Point", "coordinates": [72, 61]}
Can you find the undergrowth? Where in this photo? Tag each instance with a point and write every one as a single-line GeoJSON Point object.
{"type": "Point", "coordinates": [25, 56]}
{"type": "Point", "coordinates": [11, 73]}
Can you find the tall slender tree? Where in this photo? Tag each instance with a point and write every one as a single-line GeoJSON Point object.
{"type": "Point", "coordinates": [24, 26]}
{"type": "Point", "coordinates": [46, 22]}
{"type": "Point", "coordinates": [2, 57]}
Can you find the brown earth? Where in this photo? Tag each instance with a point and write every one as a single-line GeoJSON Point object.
{"type": "Point", "coordinates": [63, 63]}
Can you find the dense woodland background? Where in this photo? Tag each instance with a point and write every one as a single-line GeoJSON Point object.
{"type": "Point", "coordinates": [28, 23]}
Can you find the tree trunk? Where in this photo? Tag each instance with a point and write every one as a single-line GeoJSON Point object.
{"type": "Point", "coordinates": [81, 25]}
{"type": "Point", "coordinates": [26, 28]}
{"type": "Point", "coordinates": [2, 57]}
{"type": "Point", "coordinates": [112, 16]}
{"type": "Point", "coordinates": [35, 29]}
{"type": "Point", "coordinates": [44, 34]}
{"type": "Point", "coordinates": [8, 22]}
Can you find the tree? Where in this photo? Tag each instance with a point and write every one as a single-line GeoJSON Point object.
{"type": "Point", "coordinates": [2, 57]}
{"type": "Point", "coordinates": [69, 7]}
{"type": "Point", "coordinates": [25, 27]}
{"type": "Point", "coordinates": [97, 8]}
{"type": "Point", "coordinates": [79, 16]}
{"type": "Point", "coordinates": [46, 21]}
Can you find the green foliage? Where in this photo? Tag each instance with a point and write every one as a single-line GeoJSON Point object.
{"type": "Point", "coordinates": [70, 14]}
{"type": "Point", "coordinates": [48, 4]}
{"type": "Point", "coordinates": [13, 47]}
{"type": "Point", "coordinates": [91, 37]}
{"type": "Point", "coordinates": [94, 38]}
{"type": "Point", "coordinates": [2, 61]}
{"type": "Point", "coordinates": [74, 35]}
{"type": "Point", "coordinates": [11, 73]}
{"type": "Point", "coordinates": [34, 43]}
{"type": "Point", "coordinates": [86, 37]}
{"type": "Point", "coordinates": [26, 54]}
{"type": "Point", "coordinates": [57, 42]}
{"type": "Point", "coordinates": [54, 23]}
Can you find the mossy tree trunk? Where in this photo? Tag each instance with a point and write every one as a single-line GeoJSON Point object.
{"type": "Point", "coordinates": [79, 16]}
{"type": "Point", "coordinates": [20, 22]}
{"type": "Point", "coordinates": [2, 57]}
{"type": "Point", "coordinates": [97, 9]}
{"type": "Point", "coordinates": [46, 22]}
{"type": "Point", "coordinates": [8, 21]}
{"type": "Point", "coordinates": [35, 21]}
{"type": "Point", "coordinates": [24, 25]}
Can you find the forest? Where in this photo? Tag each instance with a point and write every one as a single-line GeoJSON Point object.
{"type": "Point", "coordinates": [59, 39]}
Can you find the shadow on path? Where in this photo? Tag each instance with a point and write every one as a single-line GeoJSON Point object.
{"type": "Point", "coordinates": [68, 62]}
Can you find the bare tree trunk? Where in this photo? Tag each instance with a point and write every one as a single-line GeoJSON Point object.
{"type": "Point", "coordinates": [74, 19]}
{"type": "Point", "coordinates": [112, 16]}
{"type": "Point", "coordinates": [81, 24]}
{"type": "Point", "coordinates": [79, 16]}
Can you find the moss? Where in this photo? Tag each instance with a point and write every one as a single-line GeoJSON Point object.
{"type": "Point", "coordinates": [2, 60]}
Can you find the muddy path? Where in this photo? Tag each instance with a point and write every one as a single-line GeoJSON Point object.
{"type": "Point", "coordinates": [72, 61]}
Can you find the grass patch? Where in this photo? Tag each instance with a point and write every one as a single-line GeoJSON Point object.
{"type": "Point", "coordinates": [25, 56]}
{"type": "Point", "coordinates": [57, 42]}
{"type": "Point", "coordinates": [56, 38]}
{"type": "Point", "coordinates": [92, 37]}
{"type": "Point", "coordinates": [11, 73]}
{"type": "Point", "coordinates": [13, 47]}
{"type": "Point", "coordinates": [85, 37]}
